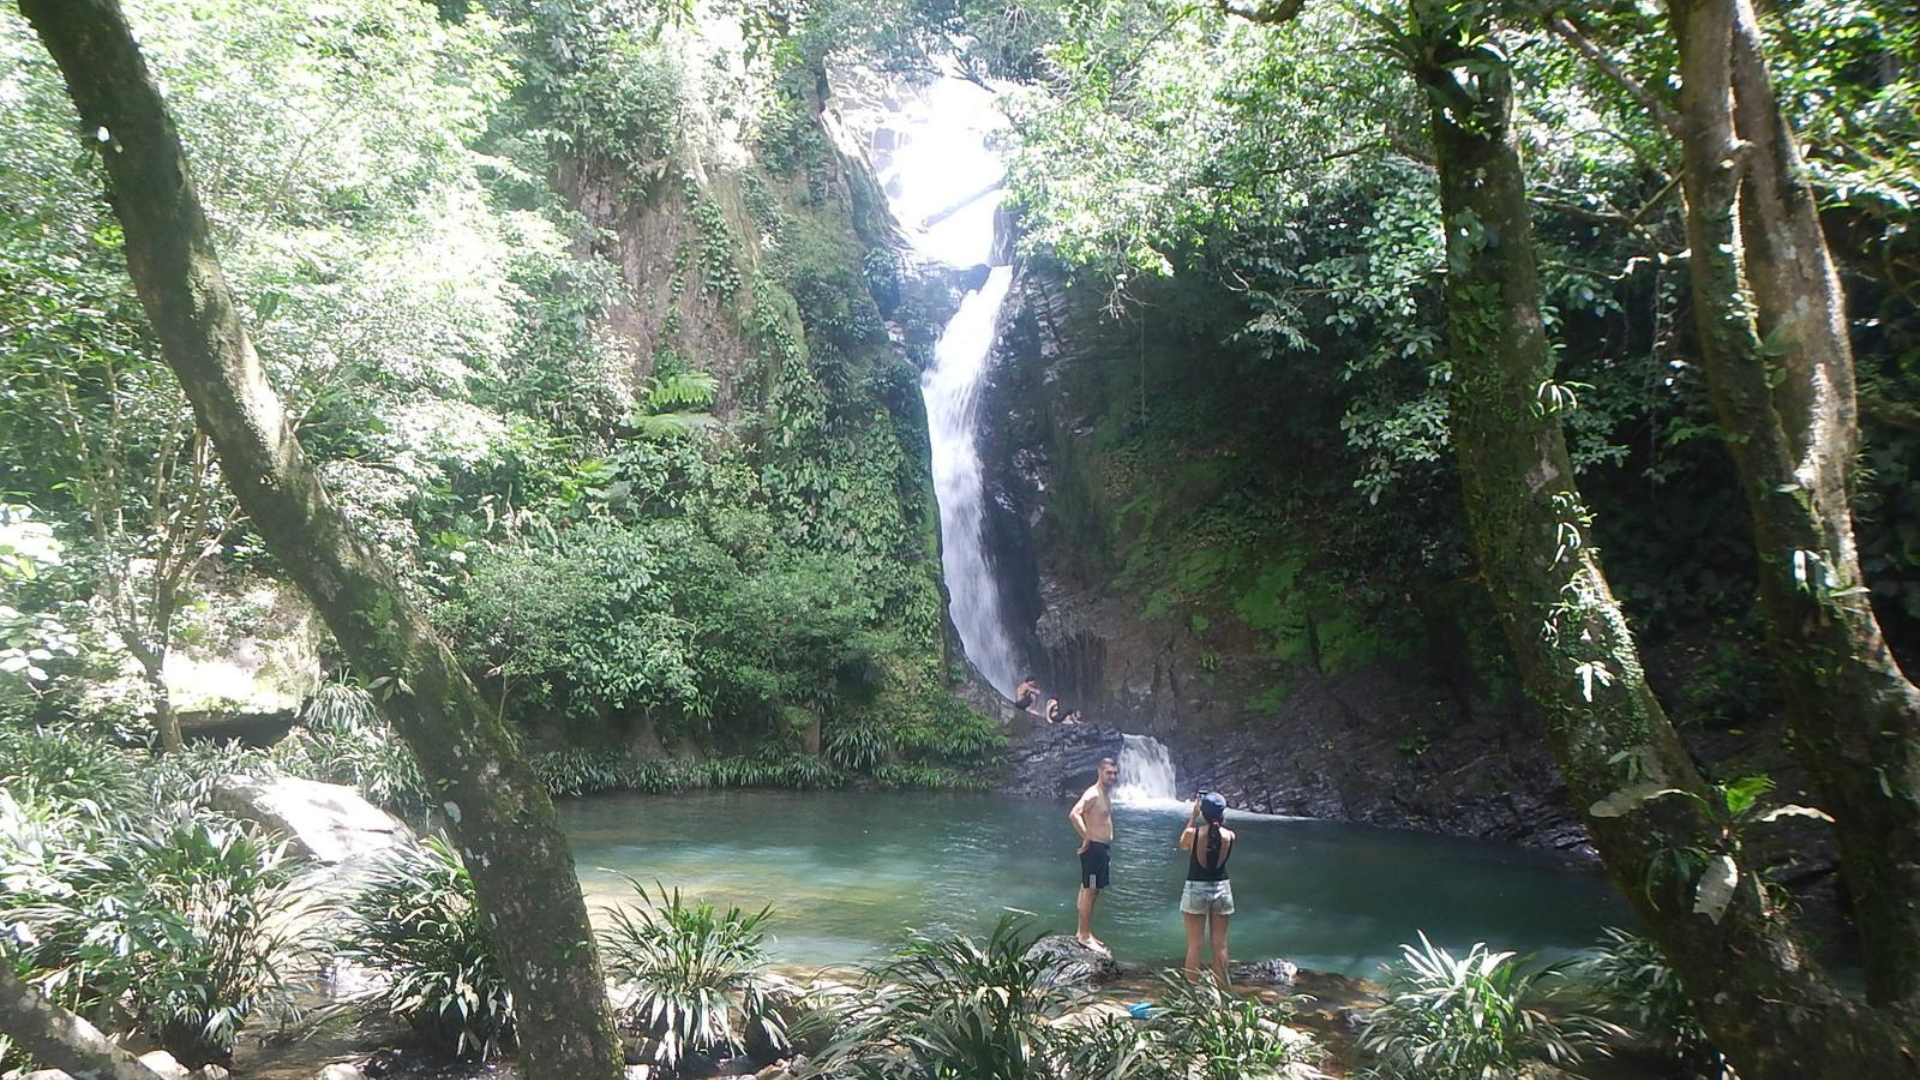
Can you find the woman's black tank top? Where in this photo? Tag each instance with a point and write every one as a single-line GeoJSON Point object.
{"type": "Point", "coordinates": [1197, 872]}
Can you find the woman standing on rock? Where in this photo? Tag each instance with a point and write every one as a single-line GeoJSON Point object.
{"type": "Point", "coordinates": [1207, 901]}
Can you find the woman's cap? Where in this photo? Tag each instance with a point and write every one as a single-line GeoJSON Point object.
{"type": "Point", "coordinates": [1213, 806]}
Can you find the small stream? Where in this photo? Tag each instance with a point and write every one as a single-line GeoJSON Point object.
{"type": "Point", "coordinates": [848, 872]}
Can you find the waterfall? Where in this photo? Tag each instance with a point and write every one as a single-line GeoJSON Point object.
{"type": "Point", "coordinates": [943, 182]}
{"type": "Point", "coordinates": [952, 392]}
{"type": "Point", "coordinates": [1146, 775]}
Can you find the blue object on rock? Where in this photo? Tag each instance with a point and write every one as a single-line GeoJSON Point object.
{"type": "Point", "coordinates": [1140, 1010]}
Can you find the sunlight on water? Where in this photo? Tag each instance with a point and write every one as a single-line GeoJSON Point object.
{"type": "Point", "coordinates": [942, 176]}
{"type": "Point", "coordinates": [849, 872]}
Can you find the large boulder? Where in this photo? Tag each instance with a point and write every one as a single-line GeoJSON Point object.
{"type": "Point", "coordinates": [1071, 963]}
{"type": "Point", "coordinates": [330, 822]}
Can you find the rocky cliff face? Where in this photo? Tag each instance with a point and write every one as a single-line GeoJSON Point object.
{"type": "Point", "coordinates": [1169, 520]}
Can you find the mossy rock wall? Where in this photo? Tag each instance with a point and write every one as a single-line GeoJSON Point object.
{"type": "Point", "coordinates": [781, 277]}
{"type": "Point", "coordinates": [1190, 559]}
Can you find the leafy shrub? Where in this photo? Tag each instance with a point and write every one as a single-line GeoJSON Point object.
{"type": "Point", "coordinates": [583, 771]}
{"type": "Point", "coordinates": [951, 1006]}
{"type": "Point", "coordinates": [1198, 1032]}
{"type": "Point", "coordinates": [1631, 981]}
{"type": "Point", "coordinates": [697, 973]}
{"type": "Point", "coordinates": [1209, 1034]}
{"type": "Point", "coordinates": [180, 929]}
{"type": "Point", "coordinates": [1479, 1017]}
{"type": "Point", "coordinates": [946, 729]}
{"type": "Point", "coordinates": [857, 746]}
{"type": "Point", "coordinates": [418, 923]}
{"type": "Point", "coordinates": [185, 778]}
{"type": "Point", "coordinates": [62, 764]}
{"type": "Point", "coordinates": [345, 742]}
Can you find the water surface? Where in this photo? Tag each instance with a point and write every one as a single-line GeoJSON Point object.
{"type": "Point", "coordinates": [848, 873]}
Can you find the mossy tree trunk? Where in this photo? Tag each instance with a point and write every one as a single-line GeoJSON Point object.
{"type": "Point", "coordinates": [1660, 829]}
{"type": "Point", "coordinates": [1772, 322]}
{"type": "Point", "coordinates": [58, 1038]}
{"type": "Point", "coordinates": [497, 810]}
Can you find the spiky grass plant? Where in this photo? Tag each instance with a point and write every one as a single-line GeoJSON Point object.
{"type": "Point", "coordinates": [180, 927]}
{"type": "Point", "coordinates": [1212, 1035]}
{"type": "Point", "coordinates": [345, 742]}
{"type": "Point", "coordinates": [1630, 980]}
{"type": "Point", "coordinates": [1482, 1016]}
{"type": "Point", "coordinates": [697, 973]}
{"type": "Point", "coordinates": [418, 923]}
{"type": "Point", "coordinates": [950, 1006]}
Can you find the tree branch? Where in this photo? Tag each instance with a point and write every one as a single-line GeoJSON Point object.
{"type": "Point", "coordinates": [1563, 28]}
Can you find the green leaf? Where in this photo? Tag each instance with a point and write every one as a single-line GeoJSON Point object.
{"type": "Point", "coordinates": [1715, 889]}
{"type": "Point", "coordinates": [1631, 798]}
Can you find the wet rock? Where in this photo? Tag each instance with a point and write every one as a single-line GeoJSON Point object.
{"type": "Point", "coordinates": [1276, 973]}
{"type": "Point", "coordinates": [1407, 741]}
{"type": "Point", "coordinates": [1073, 964]}
{"type": "Point", "coordinates": [341, 1070]}
{"type": "Point", "coordinates": [639, 1049]}
{"type": "Point", "coordinates": [212, 1072]}
{"type": "Point", "coordinates": [330, 822]}
{"type": "Point", "coordinates": [164, 1064]}
{"type": "Point", "coordinates": [1054, 761]}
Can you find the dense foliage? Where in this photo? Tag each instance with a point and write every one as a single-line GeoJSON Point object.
{"type": "Point", "coordinates": [417, 927]}
{"type": "Point", "coordinates": [128, 901]}
{"type": "Point", "coordinates": [721, 541]}
{"type": "Point", "coordinates": [1482, 1016]}
{"type": "Point", "coordinates": [1255, 205]}
{"type": "Point", "coordinates": [949, 1005]}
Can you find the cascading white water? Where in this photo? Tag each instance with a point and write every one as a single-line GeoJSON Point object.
{"type": "Point", "coordinates": [942, 179]}
{"type": "Point", "coordinates": [952, 393]}
{"type": "Point", "coordinates": [1146, 775]}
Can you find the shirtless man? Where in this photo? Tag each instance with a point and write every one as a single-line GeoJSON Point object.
{"type": "Point", "coordinates": [1092, 818]}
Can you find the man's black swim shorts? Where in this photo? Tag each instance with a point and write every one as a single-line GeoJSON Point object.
{"type": "Point", "coordinates": [1095, 863]}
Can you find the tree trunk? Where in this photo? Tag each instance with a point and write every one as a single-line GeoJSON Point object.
{"type": "Point", "coordinates": [1762, 999]}
{"type": "Point", "coordinates": [153, 669]}
{"type": "Point", "coordinates": [1772, 324]}
{"type": "Point", "coordinates": [60, 1039]}
{"type": "Point", "coordinates": [497, 810]}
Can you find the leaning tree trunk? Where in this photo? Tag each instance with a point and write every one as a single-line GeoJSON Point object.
{"type": "Point", "coordinates": [1772, 325]}
{"type": "Point", "coordinates": [58, 1038]}
{"type": "Point", "coordinates": [498, 811]}
{"type": "Point", "coordinates": [153, 669]}
{"type": "Point", "coordinates": [1654, 821]}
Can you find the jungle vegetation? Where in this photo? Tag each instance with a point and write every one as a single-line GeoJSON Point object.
{"type": "Point", "coordinates": [1567, 278]}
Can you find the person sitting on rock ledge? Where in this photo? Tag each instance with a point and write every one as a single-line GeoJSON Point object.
{"type": "Point", "coordinates": [1053, 710]}
{"type": "Point", "coordinates": [1026, 694]}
